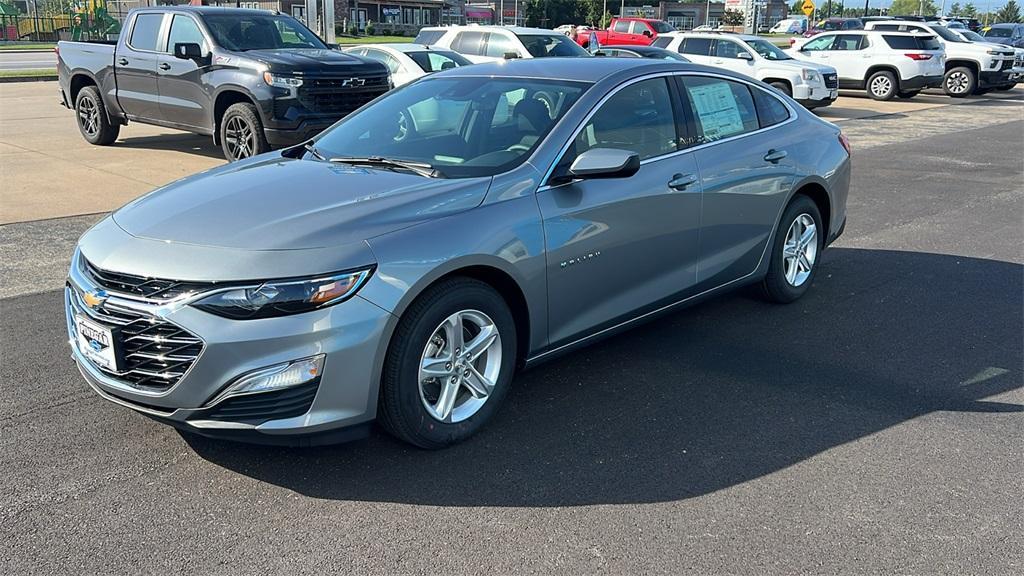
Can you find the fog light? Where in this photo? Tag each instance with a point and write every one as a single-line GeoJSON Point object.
{"type": "Point", "coordinates": [275, 377]}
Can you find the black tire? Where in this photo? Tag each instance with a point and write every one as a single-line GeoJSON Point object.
{"type": "Point", "coordinates": [401, 410]}
{"type": "Point", "coordinates": [882, 85]}
{"type": "Point", "coordinates": [92, 119]}
{"type": "Point", "coordinates": [783, 87]}
{"type": "Point", "coordinates": [241, 132]}
{"type": "Point", "coordinates": [909, 94]}
{"type": "Point", "coordinates": [959, 82]}
{"type": "Point", "coordinates": [775, 286]}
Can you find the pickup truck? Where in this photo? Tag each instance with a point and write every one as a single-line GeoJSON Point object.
{"type": "Point", "coordinates": [626, 31]}
{"type": "Point", "coordinates": [251, 79]}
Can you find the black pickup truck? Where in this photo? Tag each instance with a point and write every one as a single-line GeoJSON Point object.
{"type": "Point", "coordinates": [252, 79]}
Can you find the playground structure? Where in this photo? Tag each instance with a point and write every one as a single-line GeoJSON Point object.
{"type": "Point", "coordinates": [84, 20]}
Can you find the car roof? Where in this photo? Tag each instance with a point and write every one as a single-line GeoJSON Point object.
{"type": "Point", "coordinates": [711, 33]}
{"type": "Point", "coordinates": [1005, 25]}
{"type": "Point", "coordinates": [580, 69]}
{"type": "Point", "coordinates": [404, 47]}
{"type": "Point", "coordinates": [209, 9]}
{"type": "Point", "coordinates": [492, 28]}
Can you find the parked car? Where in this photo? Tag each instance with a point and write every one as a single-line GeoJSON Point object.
{"type": "Point", "coordinates": [640, 52]}
{"type": "Point", "coordinates": [252, 79]}
{"type": "Point", "coordinates": [812, 85]}
{"type": "Point", "coordinates": [1016, 73]}
{"type": "Point", "coordinates": [407, 62]}
{"type": "Point", "coordinates": [885, 64]}
{"type": "Point", "coordinates": [834, 24]}
{"type": "Point", "coordinates": [403, 265]}
{"type": "Point", "coordinates": [1007, 33]}
{"type": "Point", "coordinates": [627, 32]}
{"type": "Point", "coordinates": [970, 68]}
{"type": "Point", "coordinates": [493, 43]}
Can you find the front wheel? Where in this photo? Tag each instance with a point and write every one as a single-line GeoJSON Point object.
{"type": "Point", "coordinates": [798, 243]}
{"type": "Point", "coordinates": [783, 87]}
{"type": "Point", "coordinates": [241, 132]}
{"type": "Point", "coordinates": [449, 364]}
{"type": "Point", "coordinates": [882, 85]}
{"type": "Point", "coordinates": [959, 82]}
{"type": "Point", "coordinates": [93, 122]}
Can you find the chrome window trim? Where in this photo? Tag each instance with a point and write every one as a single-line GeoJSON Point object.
{"type": "Point", "coordinates": [558, 157]}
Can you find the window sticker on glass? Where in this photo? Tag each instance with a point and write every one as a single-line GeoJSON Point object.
{"type": "Point", "coordinates": [717, 110]}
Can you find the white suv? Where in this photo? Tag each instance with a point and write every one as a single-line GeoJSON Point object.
{"type": "Point", "coordinates": [886, 64]}
{"type": "Point", "coordinates": [492, 43]}
{"type": "Point", "coordinates": [970, 67]}
{"type": "Point", "coordinates": [810, 84]}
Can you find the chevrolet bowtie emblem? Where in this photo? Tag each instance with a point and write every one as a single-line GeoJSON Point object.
{"type": "Point", "coordinates": [348, 82]}
{"type": "Point", "coordinates": [94, 299]}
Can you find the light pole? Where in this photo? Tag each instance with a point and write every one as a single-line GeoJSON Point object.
{"type": "Point", "coordinates": [707, 14]}
{"type": "Point", "coordinates": [866, 6]}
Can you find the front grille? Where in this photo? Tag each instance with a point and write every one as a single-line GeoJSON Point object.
{"type": "Point", "coordinates": [831, 80]}
{"type": "Point", "coordinates": [256, 409]}
{"type": "Point", "coordinates": [332, 96]}
{"type": "Point", "coordinates": [151, 288]}
{"type": "Point", "coordinates": [154, 354]}
{"type": "Point", "coordinates": [1007, 64]}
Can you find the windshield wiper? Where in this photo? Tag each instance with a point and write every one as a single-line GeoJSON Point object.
{"type": "Point", "coordinates": [421, 168]}
{"type": "Point", "coordinates": [312, 150]}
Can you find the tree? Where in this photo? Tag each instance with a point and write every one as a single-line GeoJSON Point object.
{"type": "Point", "coordinates": [732, 18]}
{"type": "Point", "coordinates": [1010, 12]}
{"type": "Point", "coordinates": [969, 11]}
{"type": "Point", "coordinates": [912, 7]}
{"type": "Point", "coordinates": [955, 9]}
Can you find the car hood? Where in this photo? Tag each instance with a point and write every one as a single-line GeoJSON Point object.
{"type": "Point", "coordinates": [797, 64]}
{"type": "Point", "coordinates": [316, 62]}
{"type": "Point", "coordinates": [275, 203]}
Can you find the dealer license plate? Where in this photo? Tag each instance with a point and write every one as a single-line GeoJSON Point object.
{"type": "Point", "coordinates": [96, 342]}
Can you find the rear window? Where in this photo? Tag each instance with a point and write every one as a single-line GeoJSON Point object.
{"type": "Point", "coordinates": [999, 32]}
{"type": "Point", "coordinates": [544, 45]}
{"type": "Point", "coordinates": [662, 41]}
{"type": "Point", "coordinates": [696, 46]}
{"type": "Point", "coordinates": [428, 36]}
{"type": "Point", "coordinates": [911, 42]}
{"type": "Point", "coordinates": [145, 31]}
{"type": "Point", "coordinates": [770, 110]}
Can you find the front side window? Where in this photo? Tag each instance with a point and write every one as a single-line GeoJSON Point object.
{"type": "Point", "coordinates": [722, 108]}
{"type": "Point", "coordinates": [621, 26]}
{"type": "Point", "coordinates": [146, 31]}
{"type": "Point", "coordinates": [696, 46]}
{"type": "Point", "coordinates": [767, 50]}
{"type": "Point", "coordinates": [637, 118]}
{"type": "Point", "coordinates": [819, 43]}
{"type": "Point", "coordinates": [471, 43]}
{"type": "Point", "coordinates": [242, 32]}
{"type": "Point", "coordinates": [728, 49]}
{"type": "Point", "coordinates": [498, 45]}
{"type": "Point", "coordinates": [460, 126]}
{"type": "Point", "coordinates": [184, 30]}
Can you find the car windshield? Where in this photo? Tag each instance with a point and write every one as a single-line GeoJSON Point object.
{"type": "Point", "coordinates": [661, 27]}
{"type": "Point", "coordinates": [767, 50]}
{"type": "Point", "coordinates": [998, 32]}
{"type": "Point", "coordinates": [972, 36]}
{"type": "Point", "coordinates": [460, 126]}
{"type": "Point", "coordinates": [543, 45]}
{"type": "Point", "coordinates": [946, 34]}
{"type": "Point", "coordinates": [830, 25]}
{"type": "Point", "coordinates": [435, 61]}
{"type": "Point", "coordinates": [234, 31]}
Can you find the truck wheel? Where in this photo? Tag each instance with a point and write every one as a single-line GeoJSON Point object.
{"type": "Point", "coordinates": [783, 87]}
{"type": "Point", "coordinates": [93, 122]}
{"type": "Point", "coordinates": [959, 82]}
{"type": "Point", "coordinates": [241, 132]}
{"type": "Point", "coordinates": [882, 85]}
{"type": "Point", "coordinates": [909, 94]}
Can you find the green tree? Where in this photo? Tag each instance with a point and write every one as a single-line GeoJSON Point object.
{"type": "Point", "coordinates": [955, 9]}
{"type": "Point", "coordinates": [912, 7]}
{"type": "Point", "coordinates": [732, 18]}
{"type": "Point", "coordinates": [969, 11]}
{"type": "Point", "coordinates": [1010, 12]}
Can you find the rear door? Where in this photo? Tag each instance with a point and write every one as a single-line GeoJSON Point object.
{"type": "Point", "coordinates": [183, 100]}
{"type": "Point", "coordinates": [135, 66]}
{"type": "Point", "coordinates": [851, 56]}
{"type": "Point", "coordinates": [619, 33]}
{"type": "Point", "coordinates": [697, 49]}
{"type": "Point", "coordinates": [746, 172]}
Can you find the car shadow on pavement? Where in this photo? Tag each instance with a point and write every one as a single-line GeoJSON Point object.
{"type": "Point", "coordinates": [707, 398]}
{"type": "Point", "coordinates": [188, 143]}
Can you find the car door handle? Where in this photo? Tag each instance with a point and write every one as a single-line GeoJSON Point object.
{"type": "Point", "coordinates": [774, 156]}
{"type": "Point", "coordinates": [681, 181]}
{"type": "Point", "coordinates": [122, 61]}
{"type": "Point", "coordinates": [165, 66]}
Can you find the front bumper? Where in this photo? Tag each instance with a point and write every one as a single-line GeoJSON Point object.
{"type": "Point", "coordinates": [814, 96]}
{"type": "Point", "coordinates": [995, 78]}
{"type": "Point", "coordinates": [921, 82]}
{"type": "Point", "coordinates": [341, 402]}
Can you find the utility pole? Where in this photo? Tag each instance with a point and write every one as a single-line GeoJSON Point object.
{"type": "Point", "coordinates": [866, 6]}
{"type": "Point", "coordinates": [707, 14]}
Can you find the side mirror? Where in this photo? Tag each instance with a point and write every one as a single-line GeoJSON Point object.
{"type": "Point", "coordinates": [745, 56]}
{"type": "Point", "coordinates": [188, 51]}
{"type": "Point", "coordinates": [605, 163]}
{"type": "Point", "coordinates": [511, 55]}
{"type": "Point", "coordinates": [648, 33]}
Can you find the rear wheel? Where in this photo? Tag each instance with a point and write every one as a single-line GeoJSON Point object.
{"type": "Point", "coordinates": [795, 250]}
{"type": "Point", "coordinates": [882, 85]}
{"type": "Point", "coordinates": [449, 364]}
{"type": "Point", "coordinates": [909, 93]}
{"type": "Point", "coordinates": [93, 122]}
{"type": "Point", "coordinates": [241, 132]}
{"type": "Point", "coordinates": [959, 82]}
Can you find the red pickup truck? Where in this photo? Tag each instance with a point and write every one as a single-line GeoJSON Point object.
{"type": "Point", "coordinates": [635, 31]}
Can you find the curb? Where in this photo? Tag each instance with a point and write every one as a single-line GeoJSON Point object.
{"type": "Point", "coordinates": [11, 79]}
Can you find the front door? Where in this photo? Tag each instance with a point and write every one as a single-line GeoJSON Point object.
{"type": "Point", "coordinates": [182, 97]}
{"type": "Point", "coordinates": [726, 54]}
{"type": "Point", "coordinates": [135, 67]}
{"type": "Point", "coordinates": [617, 246]}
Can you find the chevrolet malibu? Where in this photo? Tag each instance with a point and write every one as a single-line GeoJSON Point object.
{"type": "Point", "coordinates": [401, 266]}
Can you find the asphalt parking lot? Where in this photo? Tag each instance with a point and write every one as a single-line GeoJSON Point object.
{"type": "Point", "coordinates": [874, 426]}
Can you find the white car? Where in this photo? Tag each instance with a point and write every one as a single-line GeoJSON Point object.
{"type": "Point", "coordinates": [407, 62]}
{"type": "Point", "coordinates": [493, 43]}
{"type": "Point", "coordinates": [970, 67]}
{"type": "Point", "coordinates": [886, 64]}
{"type": "Point", "coordinates": [812, 85]}
{"type": "Point", "coordinates": [1016, 73]}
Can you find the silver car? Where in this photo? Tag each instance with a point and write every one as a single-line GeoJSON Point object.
{"type": "Point", "coordinates": [403, 265]}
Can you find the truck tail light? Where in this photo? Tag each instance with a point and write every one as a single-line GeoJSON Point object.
{"type": "Point", "coordinates": [845, 143]}
{"type": "Point", "coordinates": [914, 56]}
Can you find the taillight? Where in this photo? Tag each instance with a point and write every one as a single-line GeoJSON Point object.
{"type": "Point", "coordinates": [914, 56]}
{"type": "Point", "coordinates": [845, 143]}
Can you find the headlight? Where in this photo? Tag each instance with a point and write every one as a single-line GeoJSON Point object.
{"type": "Point", "coordinates": [810, 75]}
{"type": "Point", "coordinates": [281, 81]}
{"type": "Point", "coordinates": [283, 297]}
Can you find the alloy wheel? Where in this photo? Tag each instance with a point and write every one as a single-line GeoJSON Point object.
{"type": "Point", "coordinates": [880, 86]}
{"type": "Point", "coordinates": [459, 366]}
{"type": "Point", "coordinates": [88, 116]}
{"type": "Point", "coordinates": [800, 249]}
{"type": "Point", "coordinates": [957, 83]}
{"type": "Point", "coordinates": [240, 137]}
